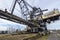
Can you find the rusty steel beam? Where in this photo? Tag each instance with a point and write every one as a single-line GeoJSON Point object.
{"type": "Point", "coordinates": [14, 18]}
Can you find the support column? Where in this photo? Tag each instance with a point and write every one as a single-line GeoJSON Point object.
{"type": "Point", "coordinates": [43, 26]}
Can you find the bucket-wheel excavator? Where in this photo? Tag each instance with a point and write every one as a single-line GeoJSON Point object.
{"type": "Point", "coordinates": [34, 18]}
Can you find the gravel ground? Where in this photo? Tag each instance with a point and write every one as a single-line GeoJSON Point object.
{"type": "Point", "coordinates": [54, 36]}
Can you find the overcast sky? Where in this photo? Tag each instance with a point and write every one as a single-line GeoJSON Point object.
{"type": "Point", "coordinates": [43, 4]}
